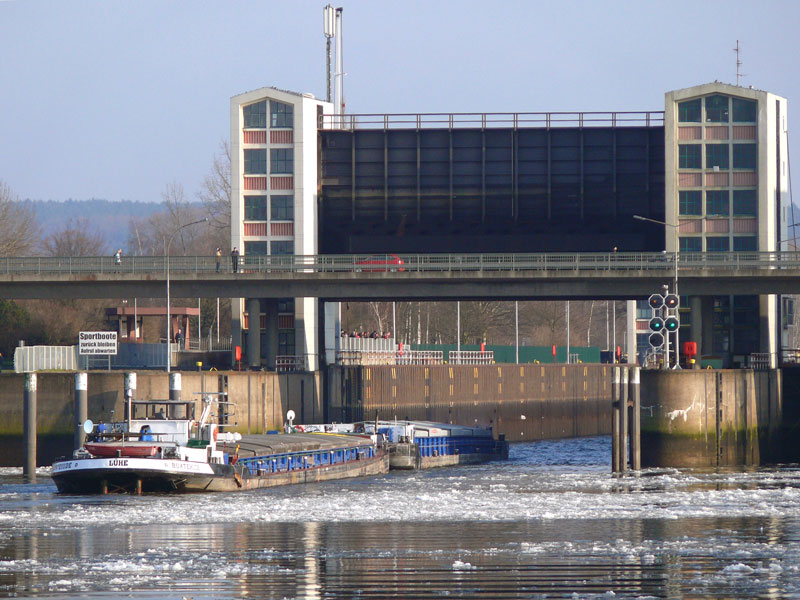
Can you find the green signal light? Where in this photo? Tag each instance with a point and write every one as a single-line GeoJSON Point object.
{"type": "Point", "coordinates": [656, 324]}
{"type": "Point", "coordinates": [672, 324]}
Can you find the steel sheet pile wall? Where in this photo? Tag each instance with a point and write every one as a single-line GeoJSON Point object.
{"type": "Point", "coordinates": [261, 400]}
{"type": "Point", "coordinates": [710, 417]}
{"type": "Point", "coordinates": [524, 402]}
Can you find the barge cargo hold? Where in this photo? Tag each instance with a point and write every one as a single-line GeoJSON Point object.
{"type": "Point", "coordinates": [163, 449]}
{"type": "Point", "coordinates": [426, 445]}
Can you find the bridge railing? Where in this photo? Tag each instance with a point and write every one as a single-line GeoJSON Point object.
{"type": "Point", "coordinates": [405, 263]}
{"type": "Point", "coordinates": [490, 120]}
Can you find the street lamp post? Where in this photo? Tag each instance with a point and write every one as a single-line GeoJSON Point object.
{"type": "Point", "coordinates": [677, 350]}
{"type": "Point", "coordinates": [166, 260]}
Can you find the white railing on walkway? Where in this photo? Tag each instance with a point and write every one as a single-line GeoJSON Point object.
{"type": "Point", "coordinates": [405, 357]}
{"type": "Point", "coordinates": [287, 363]}
{"type": "Point", "coordinates": [759, 360]}
{"type": "Point", "coordinates": [470, 357]}
{"type": "Point", "coordinates": [367, 344]}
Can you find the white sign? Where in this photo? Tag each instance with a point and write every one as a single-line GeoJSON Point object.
{"type": "Point", "coordinates": [97, 342]}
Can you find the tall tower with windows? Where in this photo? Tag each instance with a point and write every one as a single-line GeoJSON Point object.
{"type": "Point", "coordinates": [273, 213]}
{"type": "Point", "coordinates": [726, 191]}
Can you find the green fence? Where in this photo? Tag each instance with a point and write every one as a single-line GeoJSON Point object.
{"type": "Point", "coordinates": [527, 354]}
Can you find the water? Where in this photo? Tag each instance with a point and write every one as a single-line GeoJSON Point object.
{"type": "Point", "coordinates": [551, 522]}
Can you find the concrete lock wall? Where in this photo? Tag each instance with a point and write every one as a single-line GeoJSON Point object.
{"type": "Point", "coordinates": [523, 402]}
{"type": "Point", "coordinates": [261, 401]}
{"type": "Point", "coordinates": [710, 418]}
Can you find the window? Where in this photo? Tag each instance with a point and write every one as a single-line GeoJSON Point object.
{"type": "Point", "coordinates": [281, 161]}
{"type": "Point", "coordinates": [282, 208]}
{"type": "Point", "coordinates": [690, 244]}
{"type": "Point", "coordinates": [717, 109]}
{"type": "Point", "coordinates": [745, 203]}
{"type": "Point", "coordinates": [255, 208]}
{"type": "Point", "coordinates": [281, 248]}
{"type": "Point", "coordinates": [745, 244]}
{"type": "Point", "coordinates": [255, 115]}
{"type": "Point", "coordinates": [281, 115]}
{"type": "Point", "coordinates": [286, 306]}
{"type": "Point", "coordinates": [286, 342]}
{"type": "Point", "coordinates": [255, 162]}
{"type": "Point", "coordinates": [690, 203]}
{"type": "Point", "coordinates": [717, 244]}
{"type": "Point", "coordinates": [255, 248]}
{"type": "Point", "coordinates": [717, 156]}
{"type": "Point", "coordinates": [744, 156]}
{"type": "Point", "coordinates": [744, 111]}
{"type": "Point", "coordinates": [717, 203]}
{"type": "Point", "coordinates": [689, 111]}
{"type": "Point", "coordinates": [643, 310]}
{"type": "Point", "coordinates": [689, 156]}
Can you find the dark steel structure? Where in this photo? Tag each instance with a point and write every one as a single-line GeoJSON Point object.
{"type": "Point", "coordinates": [544, 182]}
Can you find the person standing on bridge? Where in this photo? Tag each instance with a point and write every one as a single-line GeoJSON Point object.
{"type": "Point", "coordinates": [118, 258]}
{"type": "Point", "coordinates": [235, 259]}
{"type": "Point", "coordinates": [219, 257]}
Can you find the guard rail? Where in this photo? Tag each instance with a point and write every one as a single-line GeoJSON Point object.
{"type": "Point", "coordinates": [207, 266]}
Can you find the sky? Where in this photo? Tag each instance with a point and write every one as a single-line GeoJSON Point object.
{"type": "Point", "coordinates": [118, 99]}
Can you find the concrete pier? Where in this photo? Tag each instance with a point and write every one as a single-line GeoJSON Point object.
{"type": "Point", "coordinates": [710, 418]}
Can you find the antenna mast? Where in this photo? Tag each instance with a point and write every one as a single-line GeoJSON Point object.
{"type": "Point", "coordinates": [339, 74]}
{"type": "Point", "coordinates": [738, 63]}
{"type": "Point", "coordinates": [328, 28]}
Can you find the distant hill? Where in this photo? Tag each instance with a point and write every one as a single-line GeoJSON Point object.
{"type": "Point", "coordinates": [110, 219]}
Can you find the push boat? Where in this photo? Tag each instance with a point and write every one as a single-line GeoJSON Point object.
{"type": "Point", "coordinates": [162, 447]}
{"type": "Point", "coordinates": [425, 445]}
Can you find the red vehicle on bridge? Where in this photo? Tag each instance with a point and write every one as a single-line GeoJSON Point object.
{"type": "Point", "coordinates": [380, 262]}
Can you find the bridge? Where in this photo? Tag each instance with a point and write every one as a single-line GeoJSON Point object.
{"type": "Point", "coordinates": [571, 276]}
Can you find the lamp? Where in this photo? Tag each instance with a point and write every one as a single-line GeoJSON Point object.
{"type": "Point", "coordinates": [166, 260]}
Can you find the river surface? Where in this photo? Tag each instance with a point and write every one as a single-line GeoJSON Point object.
{"type": "Point", "coordinates": [551, 522]}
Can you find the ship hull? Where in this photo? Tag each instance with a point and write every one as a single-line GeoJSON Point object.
{"type": "Point", "coordinates": [150, 475]}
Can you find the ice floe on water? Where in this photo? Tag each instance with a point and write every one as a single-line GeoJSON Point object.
{"type": "Point", "coordinates": [552, 505]}
{"type": "Point", "coordinates": [569, 479]}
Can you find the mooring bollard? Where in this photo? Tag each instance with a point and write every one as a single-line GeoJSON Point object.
{"type": "Point", "coordinates": [175, 387]}
{"type": "Point", "coordinates": [29, 425]}
{"type": "Point", "coordinates": [81, 408]}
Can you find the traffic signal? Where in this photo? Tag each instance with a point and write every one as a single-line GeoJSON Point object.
{"type": "Point", "coordinates": [672, 301]}
{"type": "Point", "coordinates": [656, 324]}
{"type": "Point", "coordinates": [656, 301]}
{"type": "Point", "coordinates": [672, 323]}
{"type": "Point", "coordinates": [656, 340]}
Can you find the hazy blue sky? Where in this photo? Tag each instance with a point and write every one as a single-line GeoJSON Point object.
{"type": "Point", "coordinates": [116, 99]}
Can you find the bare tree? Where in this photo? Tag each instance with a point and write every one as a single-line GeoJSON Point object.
{"type": "Point", "coordinates": [215, 194]}
{"type": "Point", "coordinates": [75, 239]}
{"type": "Point", "coordinates": [19, 232]}
{"type": "Point", "coordinates": [150, 236]}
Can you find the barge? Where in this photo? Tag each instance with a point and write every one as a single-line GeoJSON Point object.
{"type": "Point", "coordinates": [426, 445]}
{"type": "Point", "coordinates": [160, 447]}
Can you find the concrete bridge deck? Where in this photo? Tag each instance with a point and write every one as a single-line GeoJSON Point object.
{"type": "Point", "coordinates": [431, 276]}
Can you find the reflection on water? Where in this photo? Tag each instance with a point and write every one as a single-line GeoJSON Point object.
{"type": "Point", "coordinates": [551, 522]}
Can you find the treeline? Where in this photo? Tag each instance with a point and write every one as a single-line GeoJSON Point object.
{"type": "Point", "coordinates": [49, 228]}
